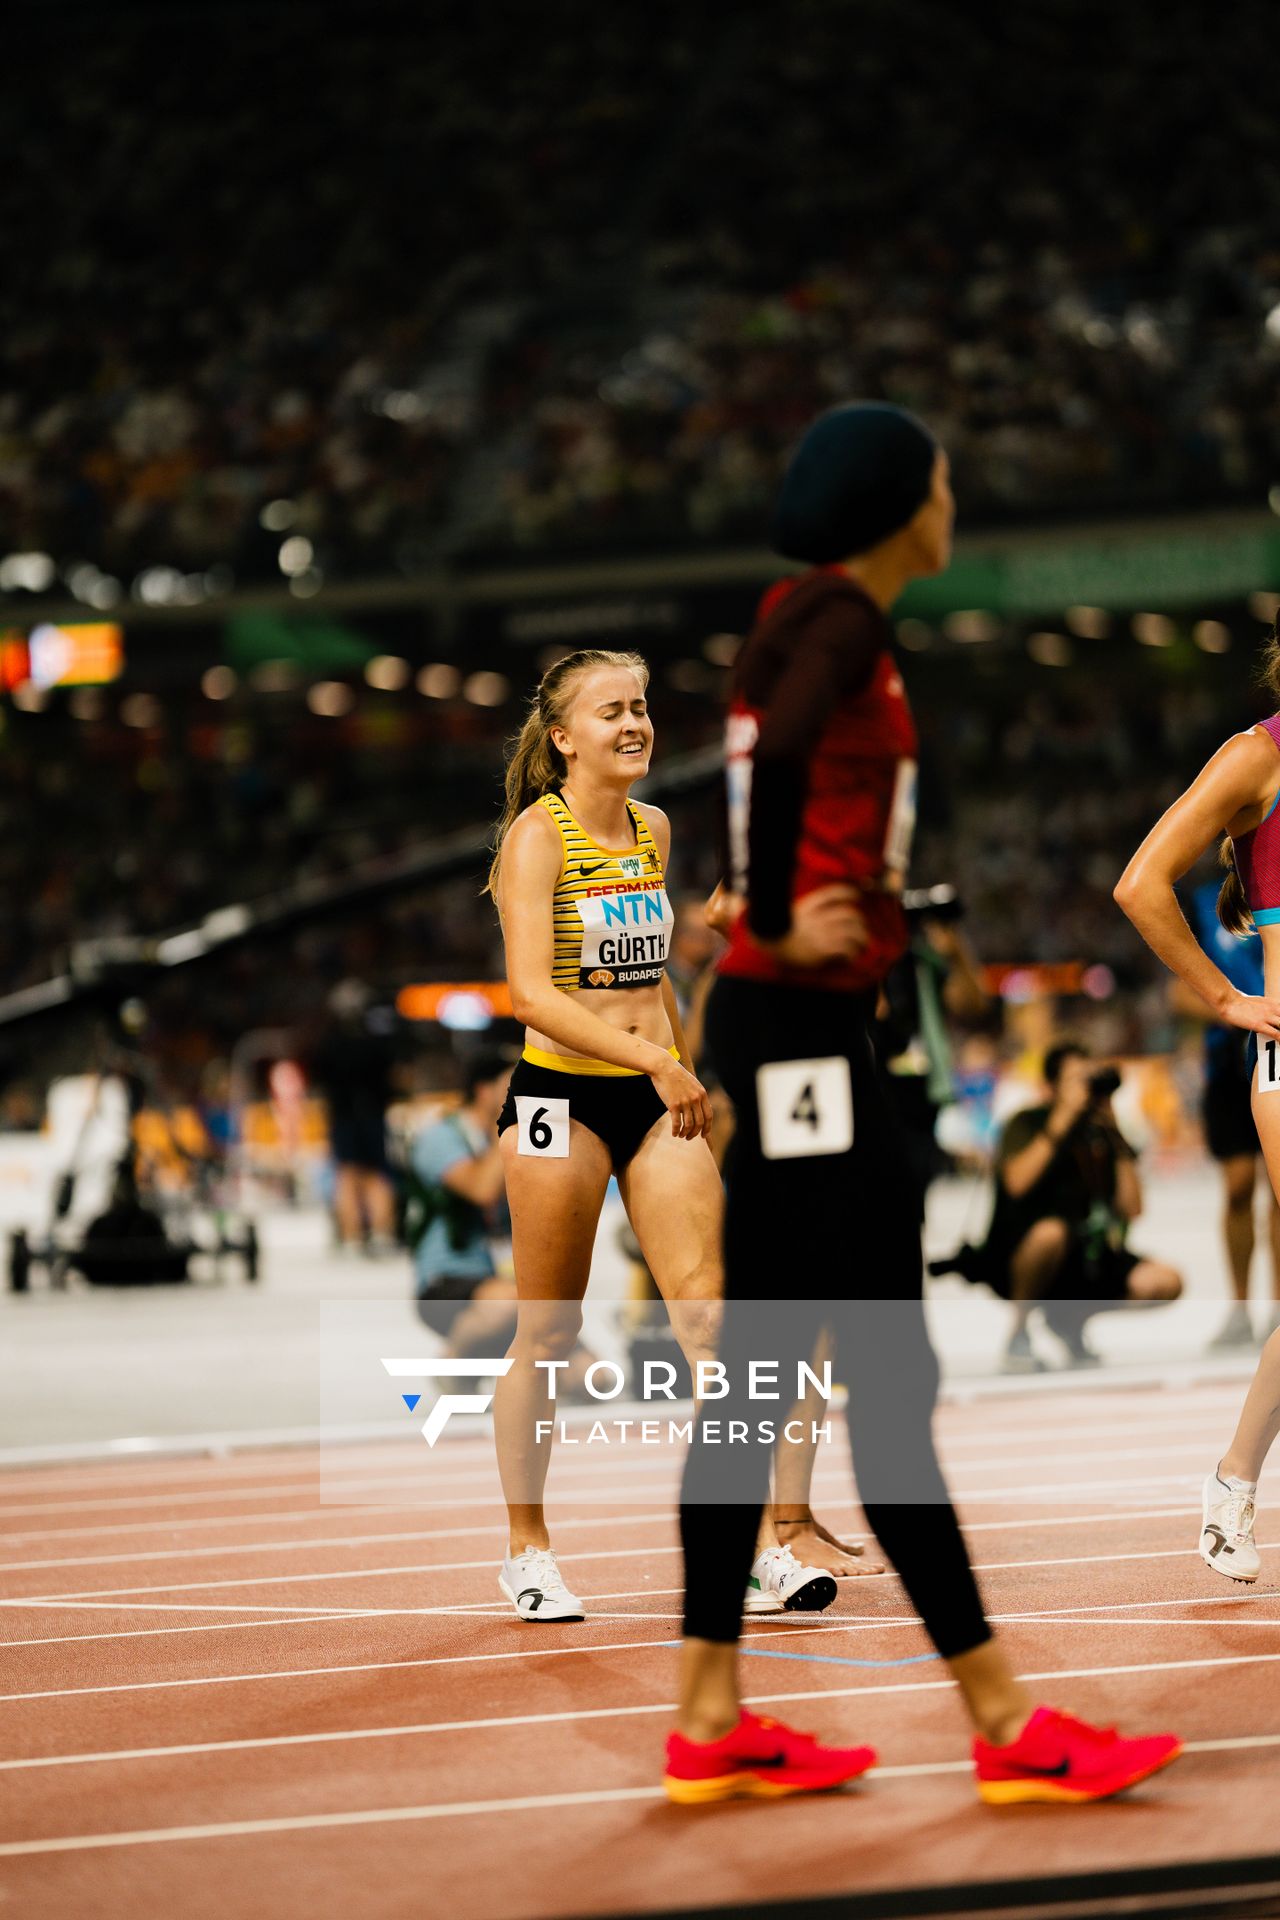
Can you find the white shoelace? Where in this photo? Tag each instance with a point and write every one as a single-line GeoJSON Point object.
{"type": "Point", "coordinates": [1238, 1518]}
{"type": "Point", "coordinates": [541, 1565]}
{"type": "Point", "coordinates": [781, 1561]}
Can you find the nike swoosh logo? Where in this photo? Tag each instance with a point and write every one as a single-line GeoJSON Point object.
{"type": "Point", "coordinates": [586, 872]}
{"type": "Point", "coordinates": [769, 1760]}
{"type": "Point", "coordinates": [1059, 1772]}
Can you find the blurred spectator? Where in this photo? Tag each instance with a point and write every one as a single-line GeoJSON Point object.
{"type": "Point", "coordinates": [457, 1209]}
{"type": "Point", "coordinates": [613, 324]}
{"type": "Point", "coordinates": [1067, 1189]}
{"type": "Point", "coordinates": [353, 1067]}
{"type": "Point", "coordinates": [219, 804]}
{"type": "Point", "coordinates": [935, 982]}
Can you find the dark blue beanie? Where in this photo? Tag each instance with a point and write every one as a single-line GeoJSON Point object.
{"type": "Point", "coordinates": [860, 473]}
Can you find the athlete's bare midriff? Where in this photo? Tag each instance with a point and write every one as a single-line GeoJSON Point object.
{"type": "Point", "coordinates": [1270, 938]}
{"type": "Point", "coordinates": [638, 1010]}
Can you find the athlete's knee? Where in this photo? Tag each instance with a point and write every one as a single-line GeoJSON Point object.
{"type": "Point", "coordinates": [551, 1336]}
{"type": "Point", "coordinates": [696, 1324]}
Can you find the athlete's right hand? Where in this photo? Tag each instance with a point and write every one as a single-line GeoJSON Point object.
{"type": "Point", "coordinates": [1254, 1012]}
{"type": "Point", "coordinates": [825, 925]}
{"type": "Point", "coordinates": [684, 1097]}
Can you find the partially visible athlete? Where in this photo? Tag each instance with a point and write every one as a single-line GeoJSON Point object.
{"type": "Point", "coordinates": [1227, 1115]}
{"type": "Point", "coordinates": [821, 752]}
{"type": "Point", "coordinates": [604, 1088]}
{"type": "Point", "coordinates": [1233, 799]}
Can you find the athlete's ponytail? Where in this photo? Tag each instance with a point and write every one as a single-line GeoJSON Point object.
{"type": "Point", "coordinates": [1233, 908]}
{"type": "Point", "coordinates": [535, 765]}
{"type": "Point", "coordinates": [1269, 664]}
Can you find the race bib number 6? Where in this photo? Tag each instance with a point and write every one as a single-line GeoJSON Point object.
{"type": "Point", "coordinates": [1268, 1066]}
{"type": "Point", "coordinates": [542, 1127]}
{"type": "Point", "coordinates": [806, 1108]}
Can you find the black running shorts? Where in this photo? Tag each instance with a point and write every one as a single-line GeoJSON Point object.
{"type": "Point", "coordinates": [1229, 1128]}
{"type": "Point", "coordinates": [619, 1109]}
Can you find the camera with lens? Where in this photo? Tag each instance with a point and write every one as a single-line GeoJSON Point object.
{"type": "Point", "coordinates": [932, 903]}
{"type": "Point", "coordinates": [1103, 1084]}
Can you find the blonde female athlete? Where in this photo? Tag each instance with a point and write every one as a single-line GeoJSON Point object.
{"type": "Point", "coordinates": [1235, 795]}
{"type": "Point", "coordinates": [603, 1088]}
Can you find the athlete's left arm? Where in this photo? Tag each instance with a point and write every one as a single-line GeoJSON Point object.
{"type": "Point", "coordinates": [832, 657]}
{"type": "Point", "coordinates": [660, 827]}
{"type": "Point", "coordinates": [1229, 795]}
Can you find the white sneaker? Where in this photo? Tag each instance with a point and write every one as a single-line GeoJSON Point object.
{"type": "Point", "coordinates": [779, 1584]}
{"type": "Point", "coordinates": [1226, 1535]}
{"type": "Point", "coordinates": [1020, 1356]}
{"type": "Point", "coordinates": [1235, 1331]}
{"type": "Point", "coordinates": [532, 1583]}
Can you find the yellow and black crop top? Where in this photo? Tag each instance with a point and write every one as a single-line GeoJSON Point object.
{"type": "Point", "coordinates": [612, 916]}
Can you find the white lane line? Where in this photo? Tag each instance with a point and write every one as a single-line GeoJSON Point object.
{"type": "Point", "coordinates": [300, 1579]}
{"type": "Point", "coordinates": [414, 1729]}
{"type": "Point", "coordinates": [150, 1633]}
{"type": "Point", "coordinates": [1149, 1412]}
{"type": "Point", "coordinates": [848, 1587]}
{"type": "Point", "coordinates": [336, 1612]}
{"type": "Point", "coordinates": [1133, 1606]}
{"type": "Point", "coordinates": [497, 1527]}
{"type": "Point", "coordinates": [361, 1488]}
{"type": "Point", "coordinates": [1022, 1523]}
{"type": "Point", "coordinates": [153, 1526]}
{"type": "Point", "coordinates": [460, 1809]}
{"type": "Point", "coordinates": [789, 1631]}
{"type": "Point", "coordinates": [1025, 1453]}
{"type": "Point", "coordinates": [53, 1600]}
{"type": "Point", "coordinates": [482, 1610]}
{"type": "Point", "coordinates": [226, 1549]}
{"type": "Point", "coordinates": [831, 1483]}
{"type": "Point", "coordinates": [426, 1476]}
{"type": "Point", "coordinates": [330, 1482]}
{"type": "Point", "coordinates": [364, 1666]}
{"type": "Point", "coordinates": [182, 1497]}
{"type": "Point", "coordinates": [485, 1610]}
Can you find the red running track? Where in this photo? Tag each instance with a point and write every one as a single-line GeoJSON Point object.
{"type": "Point", "coordinates": [236, 1687]}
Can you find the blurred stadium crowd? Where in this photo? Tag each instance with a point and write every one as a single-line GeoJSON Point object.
{"type": "Point", "coordinates": [570, 287]}
{"type": "Point", "coordinates": [213, 804]}
{"type": "Point", "coordinates": [306, 307]}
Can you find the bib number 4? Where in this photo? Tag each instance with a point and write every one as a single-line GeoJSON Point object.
{"type": "Point", "coordinates": [542, 1127]}
{"type": "Point", "coordinates": [806, 1108]}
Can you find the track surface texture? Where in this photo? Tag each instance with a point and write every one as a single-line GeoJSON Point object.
{"type": "Point", "coordinates": [235, 1686]}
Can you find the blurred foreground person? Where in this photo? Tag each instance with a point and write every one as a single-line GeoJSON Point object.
{"type": "Point", "coordinates": [1229, 1132]}
{"type": "Point", "coordinates": [353, 1067]}
{"type": "Point", "coordinates": [821, 1202]}
{"type": "Point", "coordinates": [1232, 800]}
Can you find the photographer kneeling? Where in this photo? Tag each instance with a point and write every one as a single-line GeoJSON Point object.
{"type": "Point", "coordinates": [1067, 1188]}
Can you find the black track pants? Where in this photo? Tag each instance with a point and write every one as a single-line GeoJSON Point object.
{"type": "Point", "coordinates": [813, 1240]}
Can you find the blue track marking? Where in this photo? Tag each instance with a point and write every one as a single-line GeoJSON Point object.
{"type": "Point", "coordinates": [838, 1660]}
{"type": "Point", "coordinates": [826, 1659]}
